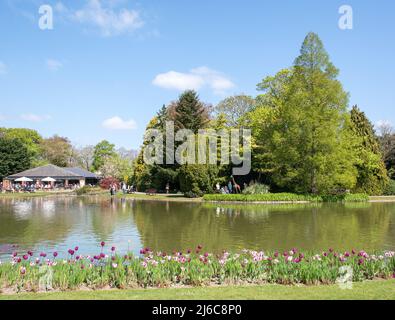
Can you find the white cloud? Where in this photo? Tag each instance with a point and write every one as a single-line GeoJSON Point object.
{"type": "Point", "coordinates": [117, 123]}
{"type": "Point", "coordinates": [195, 79]}
{"type": "Point", "coordinates": [54, 65]}
{"type": "Point", "coordinates": [34, 117]}
{"type": "Point", "coordinates": [109, 20]}
{"type": "Point", "coordinates": [3, 68]}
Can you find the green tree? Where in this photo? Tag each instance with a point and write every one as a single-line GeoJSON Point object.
{"type": "Point", "coordinates": [372, 174]}
{"type": "Point", "coordinates": [57, 150]}
{"type": "Point", "coordinates": [14, 155]}
{"type": "Point", "coordinates": [102, 151]}
{"type": "Point", "coordinates": [310, 142]}
{"type": "Point", "coordinates": [30, 138]}
{"type": "Point", "coordinates": [387, 143]}
{"type": "Point", "coordinates": [188, 112]}
{"type": "Point", "coordinates": [234, 108]}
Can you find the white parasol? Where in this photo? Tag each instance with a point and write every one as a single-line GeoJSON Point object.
{"type": "Point", "coordinates": [23, 179]}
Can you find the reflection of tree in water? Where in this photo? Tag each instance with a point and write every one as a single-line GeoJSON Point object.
{"type": "Point", "coordinates": [35, 219]}
{"type": "Point", "coordinates": [109, 213]}
{"type": "Point", "coordinates": [311, 227]}
{"type": "Point", "coordinates": [171, 225]}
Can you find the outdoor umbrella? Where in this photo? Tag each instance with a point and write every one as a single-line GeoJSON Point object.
{"type": "Point", "coordinates": [48, 179]}
{"type": "Point", "coordinates": [23, 179]}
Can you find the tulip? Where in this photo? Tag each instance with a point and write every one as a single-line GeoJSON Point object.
{"type": "Point", "coordinates": [25, 257]}
{"type": "Point", "coordinates": [71, 252]}
{"type": "Point", "coordinates": [112, 249]}
{"type": "Point", "coordinates": [102, 243]}
{"type": "Point", "coordinates": [55, 254]}
{"type": "Point", "coordinates": [76, 249]}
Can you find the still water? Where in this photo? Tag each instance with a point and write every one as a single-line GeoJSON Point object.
{"type": "Point", "coordinates": [57, 224]}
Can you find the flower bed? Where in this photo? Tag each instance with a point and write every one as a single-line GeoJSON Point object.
{"type": "Point", "coordinates": [286, 197]}
{"type": "Point", "coordinates": [191, 268]}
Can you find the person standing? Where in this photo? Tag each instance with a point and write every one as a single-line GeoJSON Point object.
{"type": "Point", "coordinates": [230, 187]}
{"type": "Point", "coordinates": [167, 188]}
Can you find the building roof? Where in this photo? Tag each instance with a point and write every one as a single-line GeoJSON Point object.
{"type": "Point", "coordinates": [53, 171]}
{"type": "Point", "coordinates": [83, 173]}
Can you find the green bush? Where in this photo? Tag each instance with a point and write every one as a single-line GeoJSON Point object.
{"type": "Point", "coordinates": [87, 190]}
{"type": "Point", "coordinates": [390, 189]}
{"type": "Point", "coordinates": [292, 197]}
{"type": "Point", "coordinates": [257, 188]}
{"type": "Point", "coordinates": [198, 179]}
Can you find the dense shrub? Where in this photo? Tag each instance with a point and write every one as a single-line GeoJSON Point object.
{"type": "Point", "coordinates": [257, 188]}
{"type": "Point", "coordinates": [107, 182]}
{"type": "Point", "coordinates": [275, 197]}
{"type": "Point", "coordinates": [198, 179]}
{"type": "Point", "coordinates": [87, 190]}
{"type": "Point", "coordinates": [390, 189]}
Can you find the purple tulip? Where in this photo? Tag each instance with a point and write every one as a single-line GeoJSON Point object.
{"type": "Point", "coordinates": [102, 243]}
{"type": "Point", "coordinates": [71, 252]}
{"type": "Point", "coordinates": [25, 257]}
{"type": "Point", "coordinates": [76, 249]}
{"type": "Point", "coordinates": [112, 249]}
{"type": "Point", "coordinates": [55, 254]}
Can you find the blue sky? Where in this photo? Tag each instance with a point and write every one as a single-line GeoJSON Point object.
{"type": "Point", "coordinates": [108, 65]}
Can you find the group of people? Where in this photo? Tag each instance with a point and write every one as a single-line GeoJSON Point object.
{"type": "Point", "coordinates": [124, 187]}
{"type": "Point", "coordinates": [231, 187]}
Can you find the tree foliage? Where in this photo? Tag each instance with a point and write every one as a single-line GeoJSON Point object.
{"type": "Point", "coordinates": [57, 150]}
{"type": "Point", "coordinates": [308, 146]}
{"type": "Point", "coordinates": [102, 151]}
{"type": "Point", "coordinates": [372, 174]}
{"type": "Point", "coordinates": [15, 156]}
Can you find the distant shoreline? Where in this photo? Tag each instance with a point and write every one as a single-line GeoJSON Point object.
{"type": "Point", "coordinates": [167, 198]}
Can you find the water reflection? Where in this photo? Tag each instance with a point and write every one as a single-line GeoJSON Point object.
{"type": "Point", "coordinates": [61, 223]}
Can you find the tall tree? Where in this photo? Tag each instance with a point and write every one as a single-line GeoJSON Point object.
{"type": "Point", "coordinates": [102, 151]}
{"type": "Point", "coordinates": [14, 155]}
{"type": "Point", "coordinates": [57, 150]}
{"type": "Point", "coordinates": [387, 142]}
{"type": "Point", "coordinates": [234, 108]}
{"type": "Point", "coordinates": [188, 112]}
{"type": "Point", "coordinates": [372, 174]}
{"type": "Point", "coordinates": [30, 138]}
{"type": "Point", "coordinates": [311, 144]}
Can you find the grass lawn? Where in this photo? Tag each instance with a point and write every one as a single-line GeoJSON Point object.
{"type": "Point", "coordinates": [159, 197]}
{"type": "Point", "coordinates": [34, 194]}
{"type": "Point", "coordinates": [382, 199]}
{"type": "Point", "coordinates": [368, 290]}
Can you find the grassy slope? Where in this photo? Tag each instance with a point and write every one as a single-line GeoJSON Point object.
{"type": "Point", "coordinates": [366, 290]}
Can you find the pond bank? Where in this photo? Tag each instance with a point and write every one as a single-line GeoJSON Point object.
{"type": "Point", "coordinates": [172, 197]}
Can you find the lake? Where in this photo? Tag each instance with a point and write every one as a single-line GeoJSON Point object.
{"type": "Point", "coordinates": [57, 224]}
